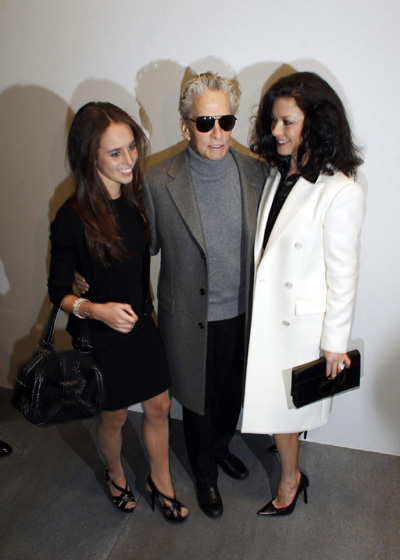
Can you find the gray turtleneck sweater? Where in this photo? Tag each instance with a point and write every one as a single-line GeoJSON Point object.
{"type": "Point", "coordinates": [218, 193]}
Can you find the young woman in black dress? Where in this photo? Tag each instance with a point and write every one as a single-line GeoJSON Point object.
{"type": "Point", "coordinates": [102, 233]}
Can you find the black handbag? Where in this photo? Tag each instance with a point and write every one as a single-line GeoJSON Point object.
{"type": "Point", "coordinates": [59, 386]}
{"type": "Point", "coordinates": [310, 384]}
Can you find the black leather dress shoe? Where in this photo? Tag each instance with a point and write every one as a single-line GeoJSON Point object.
{"type": "Point", "coordinates": [5, 449]}
{"type": "Point", "coordinates": [233, 467]}
{"type": "Point", "coordinates": [210, 501]}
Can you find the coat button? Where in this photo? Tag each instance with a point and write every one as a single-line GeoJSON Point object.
{"type": "Point", "coordinates": [285, 324]}
{"type": "Point", "coordinates": [203, 255]}
{"type": "Point", "coordinates": [202, 291]}
{"type": "Point", "coordinates": [201, 325]}
{"type": "Point", "coordinates": [288, 285]}
{"type": "Point", "coordinates": [298, 245]}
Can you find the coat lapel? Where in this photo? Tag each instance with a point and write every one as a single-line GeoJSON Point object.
{"type": "Point", "coordinates": [250, 188]}
{"type": "Point", "coordinates": [265, 207]}
{"type": "Point", "coordinates": [181, 190]}
{"type": "Point", "coordinates": [292, 211]}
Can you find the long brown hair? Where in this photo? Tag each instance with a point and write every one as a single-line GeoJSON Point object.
{"type": "Point", "coordinates": [91, 199]}
{"type": "Point", "coordinates": [327, 139]}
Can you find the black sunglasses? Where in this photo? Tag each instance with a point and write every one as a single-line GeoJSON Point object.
{"type": "Point", "coordinates": [205, 124]}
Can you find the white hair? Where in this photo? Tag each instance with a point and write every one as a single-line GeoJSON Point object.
{"type": "Point", "coordinates": [200, 85]}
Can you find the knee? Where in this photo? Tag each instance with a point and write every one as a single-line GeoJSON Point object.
{"type": "Point", "coordinates": [115, 419]}
{"type": "Point", "coordinates": [158, 407]}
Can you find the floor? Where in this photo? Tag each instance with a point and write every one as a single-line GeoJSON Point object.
{"type": "Point", "coordinates": [54, 503]}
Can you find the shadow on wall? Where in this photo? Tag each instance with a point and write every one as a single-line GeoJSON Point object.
{"type": "Point", "coordinates": [34, 123]}
{"type": "Point", "coordinates": [34, 130]}
{"type": "Point", "coordinates": [157, 91]}
{"type": "Point", "coordinates": [31, 163]}
{"type": "Point", "coordinates": [386, 390]}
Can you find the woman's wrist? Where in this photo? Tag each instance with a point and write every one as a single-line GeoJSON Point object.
{"type": "Point", "coordinates": [93, 310]}
{"type": "Point", "coordinates": [84, 309]}
{"type": "Point", "coordinates": [80, 308]}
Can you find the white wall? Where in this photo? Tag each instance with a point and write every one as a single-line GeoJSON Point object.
{"type": "Point", "coordinates": [57, 55]}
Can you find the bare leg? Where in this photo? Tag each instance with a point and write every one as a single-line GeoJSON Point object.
{"type": "Point", "coordinates": [110, 439]}
{"type": "Point", "coordinates": [288, 449]}
{"type": "Point", "coordinates": [156, 439]}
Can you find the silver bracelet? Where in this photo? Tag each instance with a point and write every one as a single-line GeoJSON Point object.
{"type": "Point", "coordinates": [86, 311]}
{"type": "Point", "coordinates": [75, 307]}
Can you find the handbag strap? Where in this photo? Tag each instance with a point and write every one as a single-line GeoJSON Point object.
{"type": "Point", "coordinates": [47, 340]}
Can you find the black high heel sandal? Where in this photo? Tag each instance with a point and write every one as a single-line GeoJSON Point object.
{"type": "Point", "coordinates": [126, 497]}
{"type": "Point", "coordinates": [173, 512]}
{"type": "Point", "coordinates": [270, 509]}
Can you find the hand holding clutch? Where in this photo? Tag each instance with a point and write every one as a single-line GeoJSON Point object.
{"type": "Point", "coordinates": [310, 383]}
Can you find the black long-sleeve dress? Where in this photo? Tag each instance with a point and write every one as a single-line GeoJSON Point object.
{"type": "Point", "coordinates": [133, 364]}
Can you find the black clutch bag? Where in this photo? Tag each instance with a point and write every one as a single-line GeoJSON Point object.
{"type": "Point", "coordinates": [59, 386]}
{"type": "Point", "coordinates": [310, 384]}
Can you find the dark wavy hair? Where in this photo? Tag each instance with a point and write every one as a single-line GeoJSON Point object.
{"type": "Point", "coordinates": [91, 199]}
{"type": "Point", "coordinates": [327, 144]}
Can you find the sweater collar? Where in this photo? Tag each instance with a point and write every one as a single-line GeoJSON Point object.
{"type": "Point", "coordinates": [208, 168]}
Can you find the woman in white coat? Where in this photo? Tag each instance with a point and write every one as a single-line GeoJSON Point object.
{"type": "Point", "coordinates": [306, 263]}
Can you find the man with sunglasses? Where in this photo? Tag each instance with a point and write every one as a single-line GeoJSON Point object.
{"type": "Point", "coordinates": [202, 206]}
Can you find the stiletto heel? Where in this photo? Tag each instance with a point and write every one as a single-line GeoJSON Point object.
{"type": "Point", "coordinates": [126, 496]}
{"type": "Point", "coordinates": [152, 498]}
{"type": "Point", "coordinates": [172, 512]}
{"type": "Point", "coordinates": [270, 509]}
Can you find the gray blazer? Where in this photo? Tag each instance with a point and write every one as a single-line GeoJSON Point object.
{"type": "Point", "coordinates": [176, 229]}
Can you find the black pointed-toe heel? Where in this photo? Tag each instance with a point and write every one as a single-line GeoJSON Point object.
{"type": "Point", "coordinates": [126, 497]}
{"type": "Point", "coordinates": [270, 509]}
{"type": "Point", "coordinates": [172, 512]}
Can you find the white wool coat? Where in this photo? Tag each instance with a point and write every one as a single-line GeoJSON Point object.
{"type": "Point", "coordinates": [303, 298]}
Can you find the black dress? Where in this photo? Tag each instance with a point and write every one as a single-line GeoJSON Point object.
{"type": "Point", "coordinates": [133, 364]}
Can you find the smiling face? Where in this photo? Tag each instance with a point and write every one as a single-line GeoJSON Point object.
{"type": "Point", "coordinates": [286, 126]}
{"type": "Point", "coordinates": [214, 144]}
{"type": "Point", "coordinates": [116, 157]}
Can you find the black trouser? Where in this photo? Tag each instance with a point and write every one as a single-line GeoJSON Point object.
{"type": "Point", "coordinates": [207, 437]}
